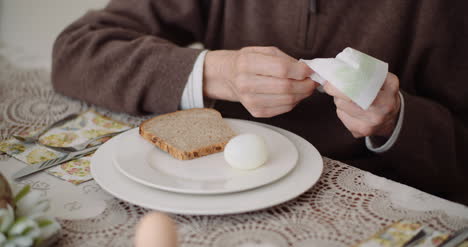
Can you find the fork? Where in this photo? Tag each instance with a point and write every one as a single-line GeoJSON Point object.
{"type": "Point", "coordinates": [81, 146]}
{"type": "Point", "coordinates": [34, 138]}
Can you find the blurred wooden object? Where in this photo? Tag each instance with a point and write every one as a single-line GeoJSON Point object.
{"type": "Point", "coordinates": [6, 196]}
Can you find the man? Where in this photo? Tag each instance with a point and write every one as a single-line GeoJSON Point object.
{"type": "Point", "coordinates": [131, 57]}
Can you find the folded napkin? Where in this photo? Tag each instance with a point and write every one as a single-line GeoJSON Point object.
{"type": "Point", "coordinates": [88, 125]}
{"type": "Point", "coordinates": [357, 75]}
{"type": "Point", "coordinates": [406, 234]}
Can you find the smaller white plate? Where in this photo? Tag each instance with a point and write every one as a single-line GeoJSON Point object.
{"type": "Point", "coordinates": [306, 173]}
{"type": "Point", "coordinates": [144, 163]}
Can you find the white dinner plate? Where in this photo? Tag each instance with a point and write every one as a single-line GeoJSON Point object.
{"type": "Point", "coordinates": [306, 173]}
{"type": "Point", "coordinates": [144, 163]}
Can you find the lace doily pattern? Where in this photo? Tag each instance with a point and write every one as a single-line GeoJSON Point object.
{"type": "Point", "coordinates": [113, 227]}
{"type": "Point", "coordinates": [346, 206]}
{"type": "Point", "coordinates": [27, 100]}
{"type": "Point", "coordinates": [339, 210]}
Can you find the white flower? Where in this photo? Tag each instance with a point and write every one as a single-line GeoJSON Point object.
{"type": "Point", "coordinates": [25, 227]}
{"type": "Point", "coordinates": [48, 226]}
{"type": "Point", "coordinates": [7, 216]}
{"type": "Point", "coordinates": [29, 203]}
{"type": "Point", "coordinates": [19, 241]}
{"type": "Point", "coordinates": [2, 239]}
{"type": "Point", "coordinates": [22, 233]}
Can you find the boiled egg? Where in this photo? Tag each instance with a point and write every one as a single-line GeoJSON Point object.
{"type": "Point", "coordinates": [246, 151]}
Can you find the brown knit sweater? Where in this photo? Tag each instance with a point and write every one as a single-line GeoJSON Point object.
{"type": "Point", "coordinates": [129, 57]}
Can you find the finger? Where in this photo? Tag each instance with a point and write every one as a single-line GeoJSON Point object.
{"type": "Point", "coordinates": [382, 98]}
{"type": "Point", "coordinates": [357, 127]}
{"type": "Point", "coordinates": [266, 112]}
{"type": "Point", "coordinates": [255, 84]}
{"type": "Point", "coordinates": [391, 83]}
{"type": "Point", "coordinates": [299, 71]}
{"type": "Point", "coordinates": [374, 116]}
{"type": "Point", "coordinates": [272, 100]}
{"type": "Point", "coordinates": [269, 50]}
{"type": "Point", "coordinates": [261, 64]}
{"type": "Point", "coordinates": [333, 91]}
{"type": "Point", "coordinates": [350, 108]}
{"type": "Point", "coordinates": [386, 102]}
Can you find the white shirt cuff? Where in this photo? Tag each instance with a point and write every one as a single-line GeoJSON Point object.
{"type": "Point", "coordinates": [393, 137]}
{"type": "Point", "coordinates": [192, 97]}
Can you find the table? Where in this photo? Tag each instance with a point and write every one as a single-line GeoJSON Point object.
{"type": "Point", "coordinates": [346, 205]}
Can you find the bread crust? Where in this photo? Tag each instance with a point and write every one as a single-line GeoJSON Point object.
{"type": "Point", "coordinates": [174, 152]}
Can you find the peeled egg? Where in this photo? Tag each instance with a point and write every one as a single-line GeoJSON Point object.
{"type": "Point", "coordinates": [246, 152]}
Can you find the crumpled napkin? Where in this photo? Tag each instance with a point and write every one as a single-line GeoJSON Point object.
{"type": "Point", "coordinates": [357, 75]}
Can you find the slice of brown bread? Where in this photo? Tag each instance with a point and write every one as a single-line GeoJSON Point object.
{"type": "Point", "coordinates": [188, 134]}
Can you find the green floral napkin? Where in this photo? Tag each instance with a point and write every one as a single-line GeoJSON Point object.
{"type": "Point", "coordinates": [88, 125]}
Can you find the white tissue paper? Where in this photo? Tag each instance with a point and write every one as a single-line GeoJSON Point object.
{"type": "Point", "coordinates": [357, 75]}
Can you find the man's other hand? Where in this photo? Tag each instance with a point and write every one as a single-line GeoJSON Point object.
{"type": "Point", "coordinates": [379, 119]}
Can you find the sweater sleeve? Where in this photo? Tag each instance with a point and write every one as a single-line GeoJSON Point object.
{"type": "Point", "coordinates": [129, 57]}
{"type": "Point", "coordinates": [431, 147]}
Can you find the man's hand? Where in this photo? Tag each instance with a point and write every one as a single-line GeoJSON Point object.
{"type": "Point", "coordinates": [379, 119]}
{"type": "Point", "coordinates": [264, 79]}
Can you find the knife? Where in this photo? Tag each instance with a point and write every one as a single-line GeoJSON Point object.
{"type": "Point", "coordinates": [31, 169]}
{"type": "Point", "coordinates": [456, 240]}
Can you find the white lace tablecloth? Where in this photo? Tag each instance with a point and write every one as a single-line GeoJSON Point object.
{"type": "Point", "coordinates": [346, 205]}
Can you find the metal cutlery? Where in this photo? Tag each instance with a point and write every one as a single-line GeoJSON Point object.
{"type": "Point", "coordinates": [457, 238]}
{"type": "Point", "coordinates": [35, 138]}
{"type": "Point", "coordinates": [80, 146]}
{"type": "Point", "coordinates": [31, 169]}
